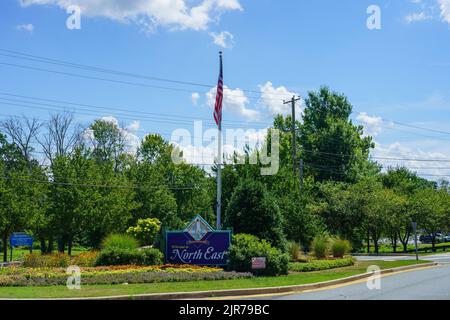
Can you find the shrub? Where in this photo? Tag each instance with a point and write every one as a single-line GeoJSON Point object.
{"type": "Point", "coordinates": [85, 259]}
{"type": "Point", "coordinates": [245, 247]}
{"type": "Point", "coordinates": [320, 265]}
{"type": "Point", "coordinates": [151, 256]}
{"type": "Point", "coordinates": [120, 257]}
{"type": "Point", "coordinates": [145, 231]}
{"type": "Point", "coordinates": [119, 241]}
{"type": "Point", "coordinates": [294, 250]}
{"type": "Point", "coordinates": [320, 247]}
{"type": "Point", "coordinates": [56, 260]}
{"type": "Point", "coordinates": [339, 247]}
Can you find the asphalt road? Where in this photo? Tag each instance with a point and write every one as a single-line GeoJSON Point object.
{"type": "Point", "coordinates": [439, 258]}
{"type": "Point", "coordinates": [422, 284]}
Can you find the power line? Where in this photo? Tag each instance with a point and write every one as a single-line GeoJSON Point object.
{"type": "Point", "coordinates": [416, 133]}
{"type": "Point", "coordinates": [126, 117]}
{"type": "Point", "coordinates": [29, 57]}
{"type": "Point", "coordinates": [94, 185]}
{"type": "Point", "coordinates": [247, 141]}
{"type": "Point", "coordinates": [123, 109]}
{"type": "Point", "coordinates": [138, 84]}
{"type": "Point", "coordinates": [342, 173]}
{"type": "Point", "coordinates": [41, 59]}
{"type": "Point", "coordinates": [420, 128]}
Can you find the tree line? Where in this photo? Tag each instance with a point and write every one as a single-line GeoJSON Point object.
{"type": "Point", "coordinates": [70, 185]}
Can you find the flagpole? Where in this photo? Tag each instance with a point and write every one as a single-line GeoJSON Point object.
{"type": "Point", "coordinates": [219, 179]}
{"type": "Point", "coordinates": [219, 167]}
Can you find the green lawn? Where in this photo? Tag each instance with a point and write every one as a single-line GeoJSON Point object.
{"type": "Point", "coordinates": [388, 248]}
{"type": "Point", "coordinates": [133, 289]}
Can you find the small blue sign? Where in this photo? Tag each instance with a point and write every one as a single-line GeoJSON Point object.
{"type": "Point", "coordinates": [21, 240]}
{"type": "Point", "coordinates": [198, 244]}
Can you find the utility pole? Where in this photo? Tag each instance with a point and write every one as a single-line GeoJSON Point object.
{"type": "Point", "coordinates": [301, 173]}
{"type": "Point", "coordinates": [293, 129]}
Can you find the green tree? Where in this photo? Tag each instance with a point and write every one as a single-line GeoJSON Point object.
{"type": "Point", "coordinates": [331, 146]}
{"type": "Point", "coordinates": [107, 143]}
{"type": "Point", "coordinates": [154, 197]}
{"type": "Point", "coordinates": [404, 183]}
{"type": "Point", "coordinates": [20, 190]}
{"type": "Point", "coordinates": [430, 211]}
{"type": "Point", "coordinates": [339, 205]}
{"type": "Point", "coordinates": [300, 223]}
{"type": "Point", "coordinates": [253, 210]}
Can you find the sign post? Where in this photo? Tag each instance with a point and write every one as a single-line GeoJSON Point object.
{"type": "Point", "coordinates": [20, 239]}
{"type": "Point", "coordinates": [258, 263]}
{"type": "Point", "coordinates": [414, 226]}
{"type": "Point", "coordinates": [198, 244]}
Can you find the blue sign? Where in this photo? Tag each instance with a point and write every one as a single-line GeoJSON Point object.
{"type": "Point", "coordinates": [21, 240]}
{"type": "Point", "coordinates": [198, 244]}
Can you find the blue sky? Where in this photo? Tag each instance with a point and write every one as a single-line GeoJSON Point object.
{"type": "Point", "coordinates": [273, 49]}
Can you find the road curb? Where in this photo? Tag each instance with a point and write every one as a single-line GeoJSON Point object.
{"type": "Point", "coordinates": [252, 291]}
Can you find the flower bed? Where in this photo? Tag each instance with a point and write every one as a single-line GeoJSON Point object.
{"type": "Point", "coordinates": [318, 265]}
{"type": "Point", "coordinates": [20, 276]}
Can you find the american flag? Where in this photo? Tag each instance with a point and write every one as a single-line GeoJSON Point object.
{"type": "Point", "coordinates": [219, 97]}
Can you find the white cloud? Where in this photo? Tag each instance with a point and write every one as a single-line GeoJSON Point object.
{"type": "Point", "coordinates": [445, 10]}
{"type": "Point", "coordinates": [149, 14]}
{"type": "Point", "coordinates": [273, 98]}
{"type": "Point", "coordinates": [229, 4]}
{"type": "Point", "coordinates": [223, 39]}
{"type": "Point", "coordinates": [427, 169]}
{"type": "Point", "coordinates": [195, 96]}
{"type": "Point", "coordinates": [372, 125]}
{"type": "Point", "coordinates": [133, 126]}
{"type": "Point", "coordinates": [234, 101]}
{"type": "Point", "coordinates": [416, 17]}
{"type": "Point", "coordinates": [26, 27]}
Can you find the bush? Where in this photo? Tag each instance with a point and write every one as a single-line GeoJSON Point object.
{"type": "Point", "coordinates": [320, 247]}
{"type": "Point", "coordinates": [119, 241]}
{"type": "Point", "coordinates": [339, 247]}
{"type": "Point", "coordinates": [145, 230]}
{"type": "Point", "coordinates": [151, 257]}
{"type": "Point", "coordinates": [118, 257]}
{"type": "Point", "coordinates": [37, 260]}
{"type": "Point", "coordinates": [320, 265]}
{"type": "Point", "coordinates": [121, 257]}
{"type": "Point", "coordinates": [245, 247]}
{"type": "Point", "coordinates": [294, 250]}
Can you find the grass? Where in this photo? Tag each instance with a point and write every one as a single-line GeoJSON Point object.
{"type": "Point", "coordinates": [134, 289]}
{"type": "Point", "coordinates": [384, 248]}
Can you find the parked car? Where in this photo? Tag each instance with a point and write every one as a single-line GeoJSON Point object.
{"type": "Point", "coordinates": [447, 237]}
{"type": "Point", "coordinates": [425, 239]}
{"type": "Point", "coordinates": [428, 238]}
